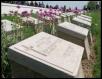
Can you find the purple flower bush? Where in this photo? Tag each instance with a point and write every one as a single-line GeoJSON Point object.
{"type": "Point", "coordinates": [48, 18]}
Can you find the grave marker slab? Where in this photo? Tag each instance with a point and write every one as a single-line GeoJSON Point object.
{"type": "Point", "coordinates": [75, 34]}
{"type": "Point", "coordinates": [86, 16]}
{"type": "Point", "coordinates": [81, 22]}
{"type": "Point", "coordinates": [49, 55]}
{"type": "Point", "coordinates": [8, 26]}
{"type": "Point", "coordinates": [81, 17]}
{"type": "Point", "coordinates": [85, 24]}
{"type": "Point", "coordinates": [64, 16]}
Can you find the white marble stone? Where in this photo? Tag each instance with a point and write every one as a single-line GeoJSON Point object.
{"type": "Point", "coordinates": [31, 19]}
{"type": "Point", "coordinates": [75, 34]}
{"type": "Point", "coordinates": [58, 56]}
{"type": "Point", "coordinates": [77, 30]}
{"type": "Point", "coordinates": [86, 16]}
{"type": "Point", "coordinates": [86, 19]}
{"type": "Point", "coordinates": [71, 14]}
{"type": "Point", "coordinates": [64, 16]}
{"type": "Point", "coordinates": [82, 22]}
{"type": "Point", "coordinates": [8, 25]}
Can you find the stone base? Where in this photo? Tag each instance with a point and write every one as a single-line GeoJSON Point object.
{"type": "Point", "coordinates": [19, 71]}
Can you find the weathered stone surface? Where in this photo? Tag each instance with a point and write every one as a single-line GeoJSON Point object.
{"type": "Point", "coordinates": [73, 30]}
{"type": "Point", "coordinates": [81, 22]}
{"type": "Point", "coordinates": [48, 55]}
{"type": "Point", "coordinates": [75, 34]}
{"type": "Point", "coordinates": [86, 19]}
{"type": "Point", "coordinates": [86, 16]}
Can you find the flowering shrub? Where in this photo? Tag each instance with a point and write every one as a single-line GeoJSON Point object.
{"type": "Point", "coordinates": [25, 14]}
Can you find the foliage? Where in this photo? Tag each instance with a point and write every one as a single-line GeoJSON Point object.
{"type": "Point", "coordinates": [96, 31]}
{"type": "Point", "coordinates": [91, 5]}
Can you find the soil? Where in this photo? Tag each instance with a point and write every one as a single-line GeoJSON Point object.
{"type": "Point", "coordinates": [88, 64]}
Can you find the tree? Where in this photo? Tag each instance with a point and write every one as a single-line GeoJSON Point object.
{"type": "Point", "coordinates": [64, 8]}
{"type": "Point", "coordinates": [84, 8]}
{"type": "Point", "coordinates": [91, 5]}
{"type": "Point", "coordinates": [36, 4]}
{"type": "Point", "coordinates": [31, 4]}
{"type": "Point", "coordinates": [47, 6]}
{"type": "Point", "coordinates": [39, 5]}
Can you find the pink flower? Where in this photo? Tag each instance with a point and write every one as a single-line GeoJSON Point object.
{"type": "Point", "coordinates": [45, 11]}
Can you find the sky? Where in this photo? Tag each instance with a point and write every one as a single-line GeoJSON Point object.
{"type": "Point", "coordinates": [72, 4]}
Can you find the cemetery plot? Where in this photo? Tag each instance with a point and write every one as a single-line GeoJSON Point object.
{"type": "Point", "coordinates": [44, 52]}
{"type": "Point", "coordinates": [89, 20]}
{"type": "Point", "coordinates": [64, 18]}
{"type": "Point", "coordinates": [85, 24]}
{"type": "Point", "coordinates": [75, 34]}
{"type": "Point", "coordinates": [81, 22]}
{"type": "Point", "coordinates": [86, 16]}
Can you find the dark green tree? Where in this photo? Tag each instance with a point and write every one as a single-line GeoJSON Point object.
{"type": "Point", "coordinates": [92, 5]}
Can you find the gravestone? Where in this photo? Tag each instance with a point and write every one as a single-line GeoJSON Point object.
{"type": "Point", "coordinates": [71, 14]}
{"type": "Point", "coordinates": [9, 26]}
{"type": "Point", "coordinates": [64, 18]}
{"type": "Point", "coordinates": [81, 22]}
{"type": "Point", "coordinates": [48, 55]}
{"type": "Point", "coordinates": [87, 19]}
{"type": "Point", "coordinates": [85, 24]}
{"type": "Point", "coordinates": [67, 16]}
{"type": "Point", "coordinates": [75, 34]}
{"type": "Point", "coordinates": [86, 16]}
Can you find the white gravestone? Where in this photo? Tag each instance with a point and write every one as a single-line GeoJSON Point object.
{"type": "Point", "coordinates": [48, 55]}
{"type": "Point", "coordinates": [85, 24]}
{"type": "Point", "coordinates": [64, 16]}
{"type": "Point", "coordinates": [81, 22]}
{"type": "Point", "coordinates": [75, 34]}
{"type": "Point", "coordinates": [9, 26]}
{"type": "Point", "coordinates": [86, 16]}
{"type": "Point", "coordinates": [87, 19]}
{"type": "Point", "coordinates": [71, 14]}
{"type": "Point", "coordinates": [67, 16]}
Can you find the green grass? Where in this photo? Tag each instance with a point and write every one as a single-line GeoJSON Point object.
{"type": "Point", "coordinates": [96, 31]}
